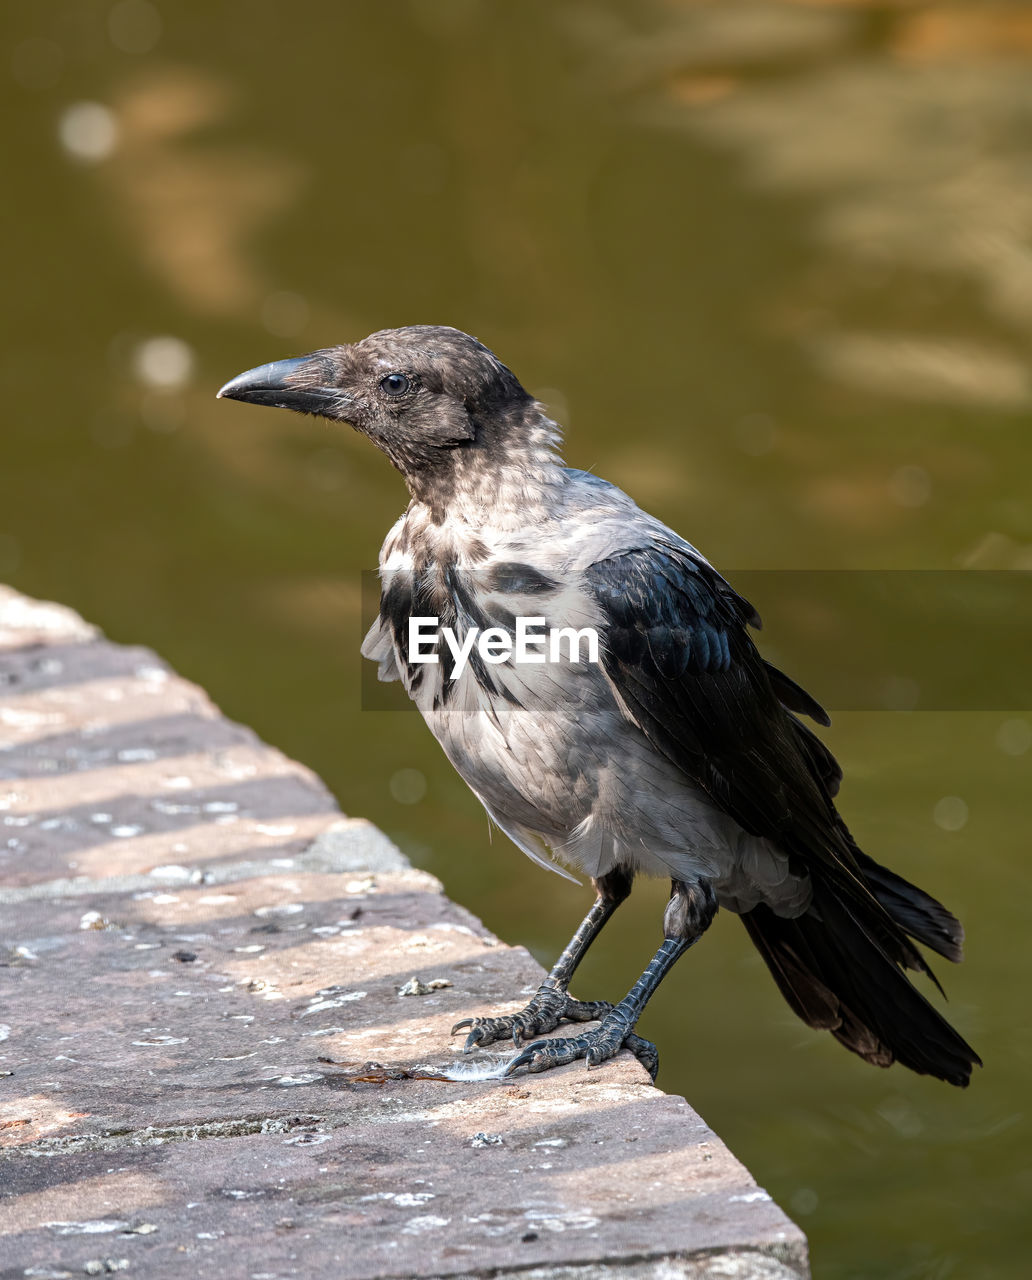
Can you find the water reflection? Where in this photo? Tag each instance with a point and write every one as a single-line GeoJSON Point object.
{"type": "Point", "coordinates": [909, 134]}
{"type": "Point", "coordinates": [193, 212]}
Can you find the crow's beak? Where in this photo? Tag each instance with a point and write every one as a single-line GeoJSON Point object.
{"type": "Point", "coordinates": [273, 384]}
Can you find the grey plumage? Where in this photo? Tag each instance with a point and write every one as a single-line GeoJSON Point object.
{"type": "Point", "coordinates": [680, 753]}
{"type": "Point", "coordinates": [586, 783]}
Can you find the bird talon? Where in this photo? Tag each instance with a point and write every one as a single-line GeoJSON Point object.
{"type": "Point", "coordinates": [522, 1059]}
{"type": "Point", "coordinates": [544, 1013]}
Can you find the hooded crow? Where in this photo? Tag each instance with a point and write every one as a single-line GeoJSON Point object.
{"type": "Point", "coordinates": [679, 752]}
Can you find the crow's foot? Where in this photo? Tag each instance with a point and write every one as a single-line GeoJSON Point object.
{"type": "Point", "coordinates": [544, 1013]}
{"type": "Point", "coordinates": [605, 1041]}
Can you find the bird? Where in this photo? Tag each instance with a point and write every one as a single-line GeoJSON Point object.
{"type": "Point", "coordinates": [677, 752]}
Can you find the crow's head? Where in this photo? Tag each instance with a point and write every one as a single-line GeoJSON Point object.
{"type": "Point", "coordinates": [423, 394]}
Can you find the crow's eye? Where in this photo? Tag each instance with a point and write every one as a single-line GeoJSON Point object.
{"type": "Point", "coordinates": [395, 384]}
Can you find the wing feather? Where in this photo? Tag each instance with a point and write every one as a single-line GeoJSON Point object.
{"type": "Point", "coordinates": [680, 659]}
{"type": "Point", "coordinates": [679, 655]}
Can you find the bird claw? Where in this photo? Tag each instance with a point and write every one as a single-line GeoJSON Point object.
{"type": "Point", "coordinates": [595, 1047]}
{"type": "Point", "coordinates": [543, 1013]}
{"type": "Point", "coordinates": [646, 1053]}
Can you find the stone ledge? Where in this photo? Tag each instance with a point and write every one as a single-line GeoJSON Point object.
{"type": "Point", "coordinates": [199, 953]}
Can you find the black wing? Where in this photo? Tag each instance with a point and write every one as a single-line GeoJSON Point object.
{"type": "Point", "coordinates": [680, 660]}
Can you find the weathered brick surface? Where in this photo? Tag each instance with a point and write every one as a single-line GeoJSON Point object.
{"type": "Point", "coordinates": [199, 953]}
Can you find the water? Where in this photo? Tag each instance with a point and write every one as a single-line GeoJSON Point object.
{"type": "Point", "coordinates": [768, 263]}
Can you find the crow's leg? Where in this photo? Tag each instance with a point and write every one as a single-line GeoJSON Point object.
{"type": "Point", "coordinates": [552, 1004]}
{"type": "Point", "coordinates": [688, 915]}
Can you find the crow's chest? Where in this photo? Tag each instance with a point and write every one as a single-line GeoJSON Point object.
{"type": "Point", "coordinates": [455, 591]}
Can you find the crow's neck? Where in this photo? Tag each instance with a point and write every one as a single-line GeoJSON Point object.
{"type": "Point", "coordinates": [509, 476]}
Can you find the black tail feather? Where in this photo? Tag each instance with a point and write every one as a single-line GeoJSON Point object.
{"type": "Point", "coordinates": [833, 969]}
{"type": "Point", "coordinates": [916, 912]}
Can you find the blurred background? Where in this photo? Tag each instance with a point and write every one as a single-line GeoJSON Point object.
{"type": "Point", "coordinates": [771, 266]}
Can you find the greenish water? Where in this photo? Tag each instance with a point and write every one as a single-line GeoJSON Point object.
{"type": "Point", "coordinates": [770, 265]}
